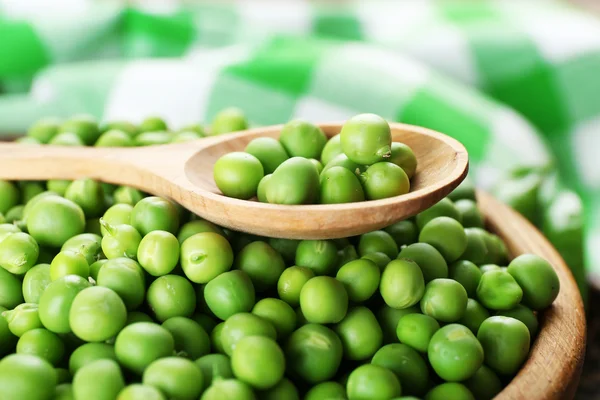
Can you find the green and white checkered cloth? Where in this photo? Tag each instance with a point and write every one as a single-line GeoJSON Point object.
{"type": "Point", "coordinates": [516, 82]}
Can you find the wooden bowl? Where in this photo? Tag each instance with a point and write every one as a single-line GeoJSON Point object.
{"type": "Point", "coordinates": [554, 365]}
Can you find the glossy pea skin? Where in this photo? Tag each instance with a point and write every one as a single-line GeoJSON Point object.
{"type": "Point", "coordinates": [388, 318]}
{"type": "Point", "coordinates": [42, 343]}
{"type": "Point", "coordinates": [228, 389]}
{"type": "Point", "coordinates": [139, 344]}
{"type": "Point", "coordinates": [58, 186]}
{"type": "Point", "coordinates": [326, 390]}
{"type": "Point", "coordinates": [55, 302]}
{"type": "Point", "coordinates": [484, 384]}
{"type": "Point", "coordinates": [446, 235]}
{"type": "Point", "coordinates": [319, 255]}
{"type": "Point", "coordinates": [383, 180]}
{"type": "Point", "coordinates": [18, 253]}
{"type": "Point", "coordinates": [171, 296]}
{"type": "Point", "coordinates": [88, 194]}
{"type": "Point", "coordinates": [497, 253]}
{"type": "Point", "coordinates": [416, 330]}
{"type": "Point", "coordinates": [214, 367]}
{"type": "Point", "coordinates": [505, 341]}
{"type": "Point", "coordinates": [237, 175]}
{"type": "Point", "coordinates": [126, 278]}
{"type": "Point", "coordinates": [120, 241]}
{"type": "Point", "coordinates": [455, 353]}
{"type": "Point", "coordinates": [44, 129]}
{"type": "Point", "coordinates": [10, 290]}
{"type": "Point", "coordinates": [69, 263]}
{"type": "Point", "coordinates": [242, 325]}
{"type": "Point", "coordinates": [366, 139]}
{"type": "Point", "coordinates": [127, 195]}
{"type": "Point", "coordinates": [295, 181]}
{"type": "Point", "coordinates": [158, 252]}
{"type": "Point", "coordinates": [371, 381]}
{"type": "Point", "coordinates": [290, 283]}
{"type": "Point", "coordinates": [302, 139]}
{"type": "Point", "coordinates": [23, 318]}
{"type": "Point", "coordinates": [332, 149]}
{"type": "Point", "coordinates": [231, 119]}
{"type": "Point", "coordinates": [114, 138]}
{"type": "Point", "coordinates": [230, 293]}
{"type": "Point", "coordinates": [430, 260]}
{"type": "Point", "coordinates": [316, 351]}
{"type": "Point", "coordinates": [406, 364]}
{"type": "Point", "coordinates": [137, 391]}
{"type": "Point", "coordinates": [342, 160]}
{"type": "Point", "coordinates": [525, 315]}
{"type": "Point", "coordinates": [360, 278]}
{"type": "Point", "coordinates": [339, 185]}
{"type": "Point", "coordinates": [263, 264]}
{"type": "Point", "coordinates": [52, 220]}
{"type": "Point", "coordinates": [404, 157]}
{"type": "Point", "coordinates": [443, 208]}
{"type": "Point", "coordinates": [117, 214]}
{"type": "Point", "coordinates": [88, 353]}
{"type": "Point", "coordinates": [377, 241]}
{"type": "Point", "coordinates": [84, 126]}
{"type": "Point", "coordinates": [470, 215]}
{"type": "Point", "coordinates": [402, 284]}
{"type": "Point", "coordinates": [268, 151]}
{"type": "Point", "coordinates": [474, 316]}
{"type": "Point", "coordinates": [279, 313]}
{"type": "Point", "coordinates": [476, 250]}
{"type": "Point", "coordinates": [88, 244]}
{"type": "Point", "coordinates": [445, 300]}
{"type": "Point", "coordinates": [449, 390]}
{"type": "Point", "coordinates": [18, 371]}
{"type": "Point", "coordinates": [360, 333]}
{"type": "Point", "coordinates": [537, 278]}
{"type": "Point", "coordinates": [177, 377]}
{"type": "Point", "coordinates": [97, 314]}
{"type": "Point", "coordinates": [324, 300]}
{"type": "Point", "coordinates": [380, 259]}
{"type": "Point", "coordinates": [261, 190]}
{"type": "Point", "coordinates": [258, 361]}
{"type": "Point", "coordinates": [101, 379]}
{"type": "Point", "coordinates": [205, 255]}
{"type": "Point", "coordinates": [152, 123]}
{"type": "Point", "coordinates": [285, 389]}
{"type": "Point", "coordinates": [467, 274]}
{"type": "Point", "coordinates": [155, 214]}
{"type": "Point", "coordinates": [403, 232]}
{"type": "Point", "coordinates": [191, 228]}
{"type": "Point", "coordinates": [498, 290]}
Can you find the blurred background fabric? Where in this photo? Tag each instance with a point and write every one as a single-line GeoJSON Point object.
{"type": "Point", "coordinates": [517, 83]}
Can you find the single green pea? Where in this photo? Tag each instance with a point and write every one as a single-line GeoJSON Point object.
{"type": "Point", "coordinates": [467, 274]}
{"type": "Point", "coordinates": [317, 165]}
{"type": "Point", "coordinates": [316, 352]}
{"type": "Point", "coordinates": [123, 126]}
{"type": "Point", "coordinates": [466, 190]}
{"type": "Point", "coordinates": [120, 240]}
{"type": "Point", "coordinates": [56, 301]}
{"type": "Point", "coordinates": [152, 123]}
{"type": "Point", "coordinates": [215, 338]}
{"type": "Point", "coordinates": [238, 174]}
{"type": "Point", "coordinates": [23, 318]}
{"type": "Point", "coordinates": [285, 247]}
{"type": "Point", "coordinates": [285, 389]}
{"type": "Point", "coordinates": [370, 381]}
{"type": "Point", "coordinates": [30, 189]}
{"type": "Point", "coordinates": [416, 330]}
{"type": "Point", "coordinates": [42, 343]}
{"type": "Point", "coordinates": [346, 255]}
{"type": "Point", "coordinates": [380, 259]}
{"type": "Point", "coordinates": [87, 244]}
{"type": "Point", "coordinates": [406, 364]}
{"type": "Point", "coordinates": [443, 208]}
{"type": "Point", "coordinates": [10, 290]}
{"type": "Point", "coordinates": [431, 262]}
{"type": "Point", "coordinates": [18, 253]}
{"type": "Point", "coordinates": [449, 390]}
{"type": "Point", "coordinates": [498, 290]}
{"type": "Point", "coordinates": [484, 384]}
{"type": "Point", "coordinates": [339, 185]}
{"type": "Point", "coordinates": [88, 353]}
{"type": "Point", "coordinates": [114, 138]}
{"type": "Point", "coordinates": [332, 149]}
{"type": "Point", "coordinates": [474, 316]}
{"type": "Point", "coordinates": [137, 391]}
{"type": "Point", "coordinates": [324, 300]}
{"type": "Point", "coordinates": [402, 284]}
{"type": "Point", "coordinates": [525, 315]}
{"type": "Point", "coordinates": [455, 353]}
{"type": "Point", "coordinates": [295, 181]}
{"type": "Point", "coordinates": [476, 250]}
{"type": "Point", "coordinates": [366, 139]}
{"type": "Point", "coordinates": [23, 376]}
{"type": "Point", "coordinates": [52, 220]}
{"type": "Point", "coordinates": [258, 361]}
{"type": "Point", "coordinates": [171, 296]}
{"type": "Point", "coordinates": [231, 119]}
{"type": "Point", "coordinates": [97, 314]}
{"type": "Point", "coordinates": [158, 252]}
{"type": "Point", "coordinates": [95, 268]}
{"type": "Point", "coordinates": [470, 215]}
{"type": "Point", "coordinates": [537, 278]}
{"type": "Point", "coordinates": [139, 344]}
{"type": "Point", "coordinates": [127, 195]}
{"type": "Point", "coordinates": [44, 129]}
{"type": "Point", "coordinates": [126, 278]}
{"type": "Point", "coordinates": [302, 139]}
{"type": "Point", "coordinates": [263, 264]}
{"type": "Point", "coordinates": [66, 139]}
{"type": "Point", "coordinates": [444, 300]}
{"type": "Point", "coordinates": [279, 313]}
{"type": "Point", "coordinates": [214, 367]}
{"type": "Point", "coordinates": [176, 377]}
{"type": "Point", "coordinates": [10, 196]}
{"type": "Point", "coordinates": [153, 138]}
{"type": "Point", "coordinates": [84, 126]}
{"type": "Point", "coordinates": [505, 342]}
{"type": "Point", "coordinates": [326, 390]}
{"type": "Point", "coordinates": [290, 284]}
{"type": "Point", "coordinates": [268, 151]}
{"type": "Point", "coordinates": [261, 190]}
{"type": "Point", "coordinates": [228, 389]}
{"type": "Point", "coordinates": [360, 278]}
{"type": "Point", "coordinates": [35, 282]}
{"type": "Point", "coordinates": [101, 379]}
{"type": "Point", "coordinates": [497, 253]}
{"type": "Point", "coordinates": [377, 241]}
{"type": "Point", "coordinates": [383, 180]}
{"type": "Point", "coordinates": [403, 232]}
{"type": "Point", "coordinates": [15, 214]}
{"type": "Point", "coordinates": [360, 333]}
{"type": "Point", "coordinates": [242, 325]}
{"type": "Point", "coordinates": [388, 319]}
{"type": "Point", "coordinates": [230, 293]}
{"type": "Point", "coordinates": [155, 214]}
{"type": "Point", "coordinates": [191, 228]}
{"type": "Point", "coordinates": [69, 263]}
{"type": "Point", "coordinates": [88, 194]}
{"type": "Point", "coordinates": [117, 214]}
{"type": "Point", "coordinates": [404, 157]}
{"type": "Point", "coordinates": [318, 255]}
{"type": "Point", "coordinates": [446, 235]}
{"type": "Point", "coordinates": [342, 160]}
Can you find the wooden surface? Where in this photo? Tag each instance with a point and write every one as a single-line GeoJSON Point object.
{"type": "Point", "coordinates": [556, 358]}
{"type": "Point", "coordinates": [183, 172]}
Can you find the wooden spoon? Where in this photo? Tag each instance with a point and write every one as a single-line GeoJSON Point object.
{"type": "Point", "coordinates": [184, 173]}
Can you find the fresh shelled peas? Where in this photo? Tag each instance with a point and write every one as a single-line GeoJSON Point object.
{"type": "Point", "coordinates": [152, 302]}
{"type": "Point", "coordinates": [304, 167]}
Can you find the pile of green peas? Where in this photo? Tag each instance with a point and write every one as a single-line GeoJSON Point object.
{"type": "Point", "coordinates": [303, 167]}
{"type": "Point", "coordinates": [109, 293]}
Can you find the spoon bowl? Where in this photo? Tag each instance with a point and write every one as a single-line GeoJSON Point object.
{"type": "Point", "coordinates": [184, 173]}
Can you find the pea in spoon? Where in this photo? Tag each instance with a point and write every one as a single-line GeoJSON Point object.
{"type": "Point", "coordinates": [184, 173]}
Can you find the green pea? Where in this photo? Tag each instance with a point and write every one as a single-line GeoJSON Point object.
{"type": "Point", "coordinates": [117, 214]}
{"type": "Point", "coordinates": [84, 126]}
{"type": "Point", "coordinates": [402, 284]}
{"type": "Point", "coordinates": [466, 190]}
{"type": "Point", "coordinates": [139, 344]}
{"type": "Point", "coordinates": [137, 316]}
{"type": "Point", "coordinates": [360, 333]}
{"type": "Point", "coordinates": [258, 361]}
{"type": "Point", "coordinates": [370, 381]}
{"type": "Point", "coordinates": [279, 313]}
{"type": "Point", "coordinates": [238, 174]}
{"type": "Point", "coordinates": [10, 196]}
{"type": "Point", "coordinates": [171, 296]}
{"type": "Point", "coordinates": [18, 253]}
{"type": "Point", "coordinates": [114, 138]}
{"type": "Point", "coordinates": [137, 391]}
{"type": "Point", "coordinates": [228, 120]}
{"type": "Point", "coordinates": [366, 139]}
{"type": "Point", "coordinates": [214, 367]}
{"type": "Point", "coordinates": [332, 149]}
{"type": "Point", "coordinates": [58, 186]}
{"type": "Point", "coordinates": [455, 353]}
{"type": "Point", "coordinates": [176, 377]}
{"type": "Point", "coordinates": [360, 278]}
{"type": "Point", "coordinates": [416, 330]}
{"type": "Point", "coordinates": [95, 268]}
{"type": "Point", "coordinates": [44, 129]}
{"type": "Point", "coordinates": [228, 389]}
{"type": "Point", "coordinates": [378, 241]}
{"type": "Point", "coordinates": [88, 353]}
{"type": "Point", "coordinates": [52, 220]}
{"type": "Point", "coordinates": [69, 263]}
{"type": "Point", "coordinates": [498, 290]}
{"type": "Point", "coordinates": [497, 253]}
{"type": "Point", "coordinates": [263, 264]}
{"type": "Point", "coordinates": [153, 138]}
{"type": "Point", "coordinates": [42, 343]}
{"type": "Point", "coordinates": [467, 274]}
{"type": "Point", "coordinates": [261, 190]}
{"type": "Point", "coordinates": [56, 300]}
{"type": "Point", "coordinates": [476, 250]}
{"type": "Point", "coordinates": [229, 293]}
{"type": "Point", "coordinates": [430, 260]}
{"type": "Point", "coordinates": [388, 319]}
{"type": "Point", "coordinates": [525, 315]}
{"type": "Point", "coordinates": [15, 214]}
{"type": "Point", "coordinates": [302, 139]}
{"type": "Point", "coordinates": [339, 185]}
{"type": "Point", "coordinates": [66, 139]}
{"type": "Point", "coordinates": [268, 151]}
{"type": "Point", "coordinates": [317, 165]}
{"type": "Point", "coordinates": [285, 247]}
{"type": "Point", "coordinates": [537, 278]}
{"type": "Point", "coordinates": [346, 255]}
{"type": "Point", "coordinates": [19, 371]}
{"type": "Point", "coordinates": [126, 278]}
{"type": "Point", "coordinates": [242, 325]}
{"type": "Point", "coordinates": [380, 259]}
{"type": "Point", "coordinates": [444, 300]}
{"type": "Point", "coordinates": [318, 255]}
{"type": "Point", "coordinates": [383, 180]}
{"type": "Point", "coordinates": [505, 342]}
{"type": "Point", "coordinates": [484, 384]}
{"type": "Point", "coordinates": [316, 352]}
{"type": "Point", "coordinates": [155, 214]}
{"type": "Point", "coordinates": [406, 364]}
{"type": "Point", "coordinates": [123, 126]}
{"type": "Point", "coordinates": [285, 389]}
{"type": "Point", "coordinates": [152, 123]}
{"type": "Point", "coordinates": [489, 267]}
{"type": "Point", "coordinates": [23, 318]}
{"type": "Point", "coordinates": [87, 244]}
{"type": "Point", "coordinates": [295, 181]}
{"type": "Point", "coordinates": [191, 228]}
{"type": "Point", "coordinates": [10, 290]}
{"type": "Point", "coordinates": [291, 282]}
{"type": "Point", "coordinates": [342, 160]}
{"type": "Point", "coordinates": [326, 390]}
{"type": "Point", "coordinates": [101, 379]}
{"type": "Point", "coordinates": [127, 195]}
{"type": "Point", "coordinates": [449, 390]}
{"type": "Point", "coordinates": [403, 232]}
{"type": "Point", "coordinates": [215, 338]}
{"type": "Point", "coordinates": [404, 157]}
{"type": "Point", "coordinates": [158, 252]}
{"type": "Point", "coordinates": [470, 215]}
{"type": "Point", "coordinates": [29, 190]}
{"type": "Point", "coordinates": [474, 316]}
{"type": "Point", "coordinates": [324, 300]}
{"type": "Point", "coordinates": [88, 194]}
{"type": "Point", "coordinates": [446, 235]}
{"type": "Point", "coordinates": [183, 137]}
{"type": "Point", "coordinates": [443, 208]}
{"type": "Point", "coordinates": [97, 314]}
{"type": "Point", "coordinates": [120, 241]}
